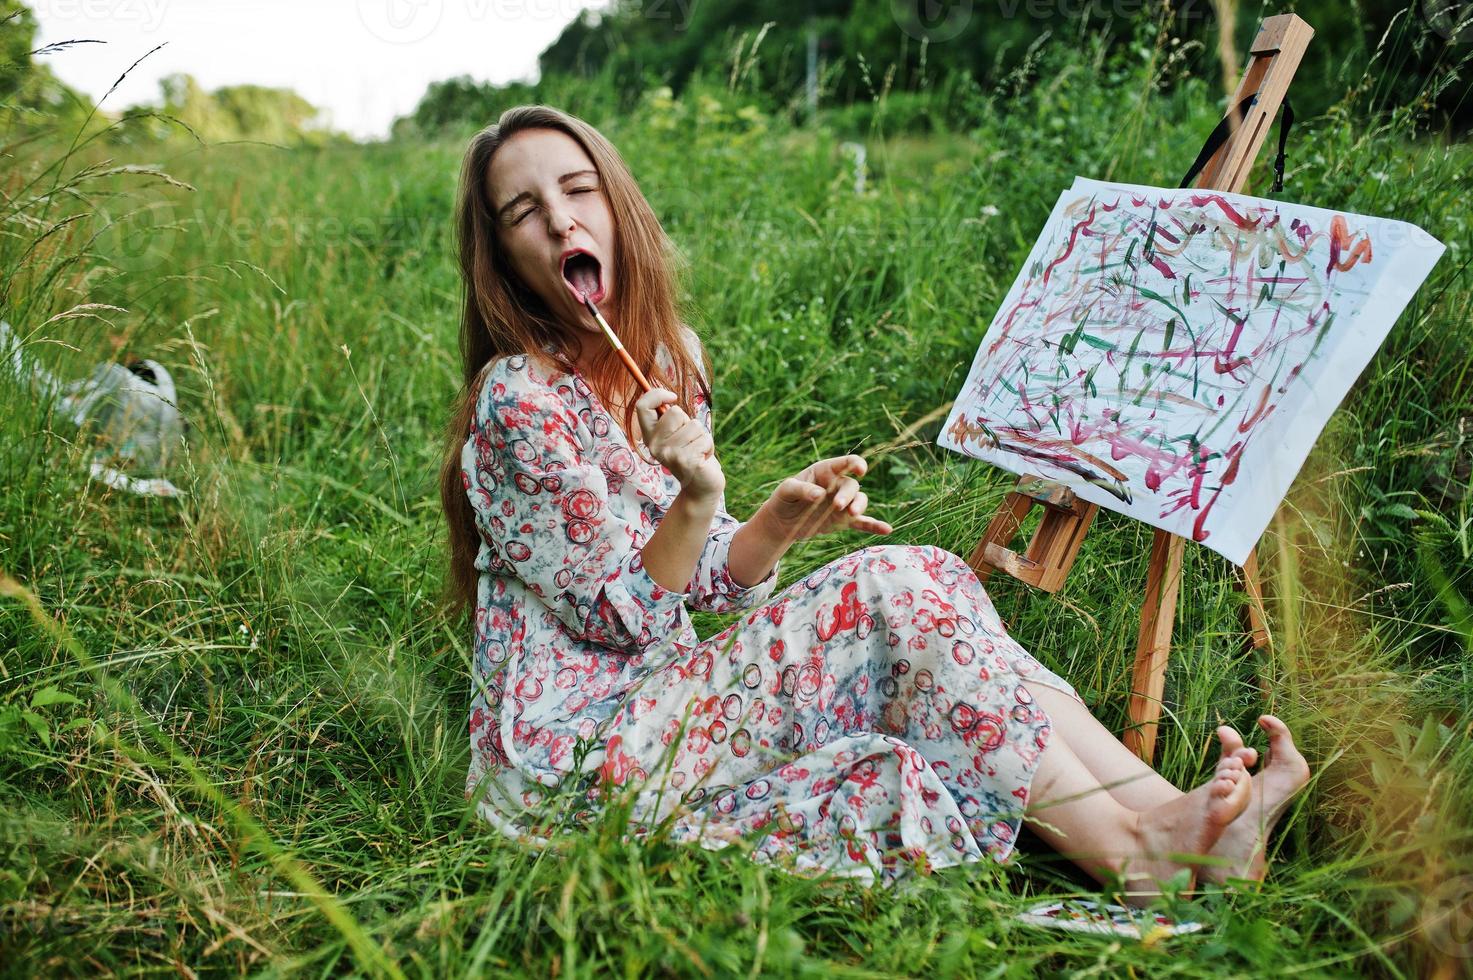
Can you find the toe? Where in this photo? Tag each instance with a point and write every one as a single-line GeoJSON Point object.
{"type": "Point", "coordinates": [1241, 786]}
{"type": "Point", "coordinates": [1284, 756]}
{"type": "Point", "coordinates": [1230, 774]}
{"type": "Point", "coordinates": [1275, 728]}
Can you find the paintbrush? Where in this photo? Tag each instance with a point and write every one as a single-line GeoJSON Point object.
{"type": "Point", "coordinates": [619, 347]}
{"type": "Point", "coordinates": [645, 383]}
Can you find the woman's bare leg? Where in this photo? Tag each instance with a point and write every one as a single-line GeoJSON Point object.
{"type": "Point", "coordinates": [1129, 780]}
{"type": "Point", "coordinates": [1072, 811]}
{"type": "Point", "coordinates": [1137, 786]}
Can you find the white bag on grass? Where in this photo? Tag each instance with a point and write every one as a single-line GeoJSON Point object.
{"type": "Point", "coordinates": [131, 411]}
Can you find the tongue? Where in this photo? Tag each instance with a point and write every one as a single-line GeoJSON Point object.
{"type": "Point", "coordinates": [583, 274]}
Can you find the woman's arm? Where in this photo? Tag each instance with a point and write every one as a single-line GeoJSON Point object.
{"type": "Point", "coordinates": [671, 553]}
{"type": "Point", "coordinates": [755, 548]}
{"type": "Point", "coordinates": [542, 509]}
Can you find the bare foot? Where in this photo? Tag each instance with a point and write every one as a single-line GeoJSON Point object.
{"type": "Point", "coordinates": [1171, 834]}
{"type": "Point", "coordinates": [1244, 840]}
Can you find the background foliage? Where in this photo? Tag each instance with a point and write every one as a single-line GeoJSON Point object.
{"type": "Point", "coordinates": [232, 726]}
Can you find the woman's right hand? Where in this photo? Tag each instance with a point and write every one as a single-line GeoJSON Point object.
{"type": "Point", "coordinates": [680, 443]}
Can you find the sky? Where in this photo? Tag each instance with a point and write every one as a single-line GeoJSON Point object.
{"type": "Point", "coordinates": [363, 61]}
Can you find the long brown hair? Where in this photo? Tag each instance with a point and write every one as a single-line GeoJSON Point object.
{"type": "Point", "coordinates": [500, 315]}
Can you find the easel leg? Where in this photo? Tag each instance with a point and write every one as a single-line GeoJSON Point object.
{"type": "Point", "coordinates": [1255, 620]}
{"type": "Point", "coordinates": [1000, 531]}
{"type": "Point", "coordinates": [1153, 645]}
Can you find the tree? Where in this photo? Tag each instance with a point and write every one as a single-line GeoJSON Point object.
{"type": "Point", "coordinates": [233, 112]}
{"type": "Point", "coordinates": [17, 37]}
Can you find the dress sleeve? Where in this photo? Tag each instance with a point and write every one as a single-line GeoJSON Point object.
{"type": "Point", "coordinates": [542, 510]}
{"type": "Point", "coordinates": [712, 588]}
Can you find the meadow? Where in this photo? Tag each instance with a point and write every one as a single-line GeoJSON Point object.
{"type": "Point", "coordinates": [233, 724]}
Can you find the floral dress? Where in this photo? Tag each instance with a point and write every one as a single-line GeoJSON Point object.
{"type": "Point", "coordinates": [868, 720]}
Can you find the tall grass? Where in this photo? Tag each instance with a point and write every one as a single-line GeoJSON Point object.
{"type": "Point", "coordinates": [234, 725]}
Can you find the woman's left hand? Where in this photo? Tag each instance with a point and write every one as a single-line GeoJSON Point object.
{"type": "Point", "coordinates": [824, 497]}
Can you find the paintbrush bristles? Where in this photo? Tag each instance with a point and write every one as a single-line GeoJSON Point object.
{"type": "Point", "coordinates": [603, 324]}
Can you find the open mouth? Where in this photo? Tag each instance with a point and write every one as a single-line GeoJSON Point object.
{"type": "Point", "coordinates": [584, 276]}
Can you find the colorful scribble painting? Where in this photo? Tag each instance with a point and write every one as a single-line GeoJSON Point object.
{"type": "Point", "coordinates": [1173, 354]}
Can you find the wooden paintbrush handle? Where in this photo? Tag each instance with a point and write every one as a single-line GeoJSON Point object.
{"type": "Point", "coordinates": [624, 354]}
{"type": "Point", "coordinates": [639, 376]}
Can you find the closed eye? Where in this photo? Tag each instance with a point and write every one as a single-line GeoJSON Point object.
{"type": "Point", "coordinates": [576, 190]}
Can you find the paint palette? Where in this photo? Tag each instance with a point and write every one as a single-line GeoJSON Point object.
{"type": "Point", "coordinates": [1078, 915]}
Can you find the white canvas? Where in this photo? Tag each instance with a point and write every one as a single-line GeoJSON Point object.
{"type": "Point", "coordinates": [1173, 354]}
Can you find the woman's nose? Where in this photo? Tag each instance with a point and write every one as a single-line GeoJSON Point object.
{"type": "Point", "coordinates": [560, 222]}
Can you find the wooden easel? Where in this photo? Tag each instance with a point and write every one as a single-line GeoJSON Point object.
{"type": "Point", "coordinates": [1273, 58]}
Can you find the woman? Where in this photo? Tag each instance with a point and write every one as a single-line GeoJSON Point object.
{"type": "Point", "coordinates": [870, 718]}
